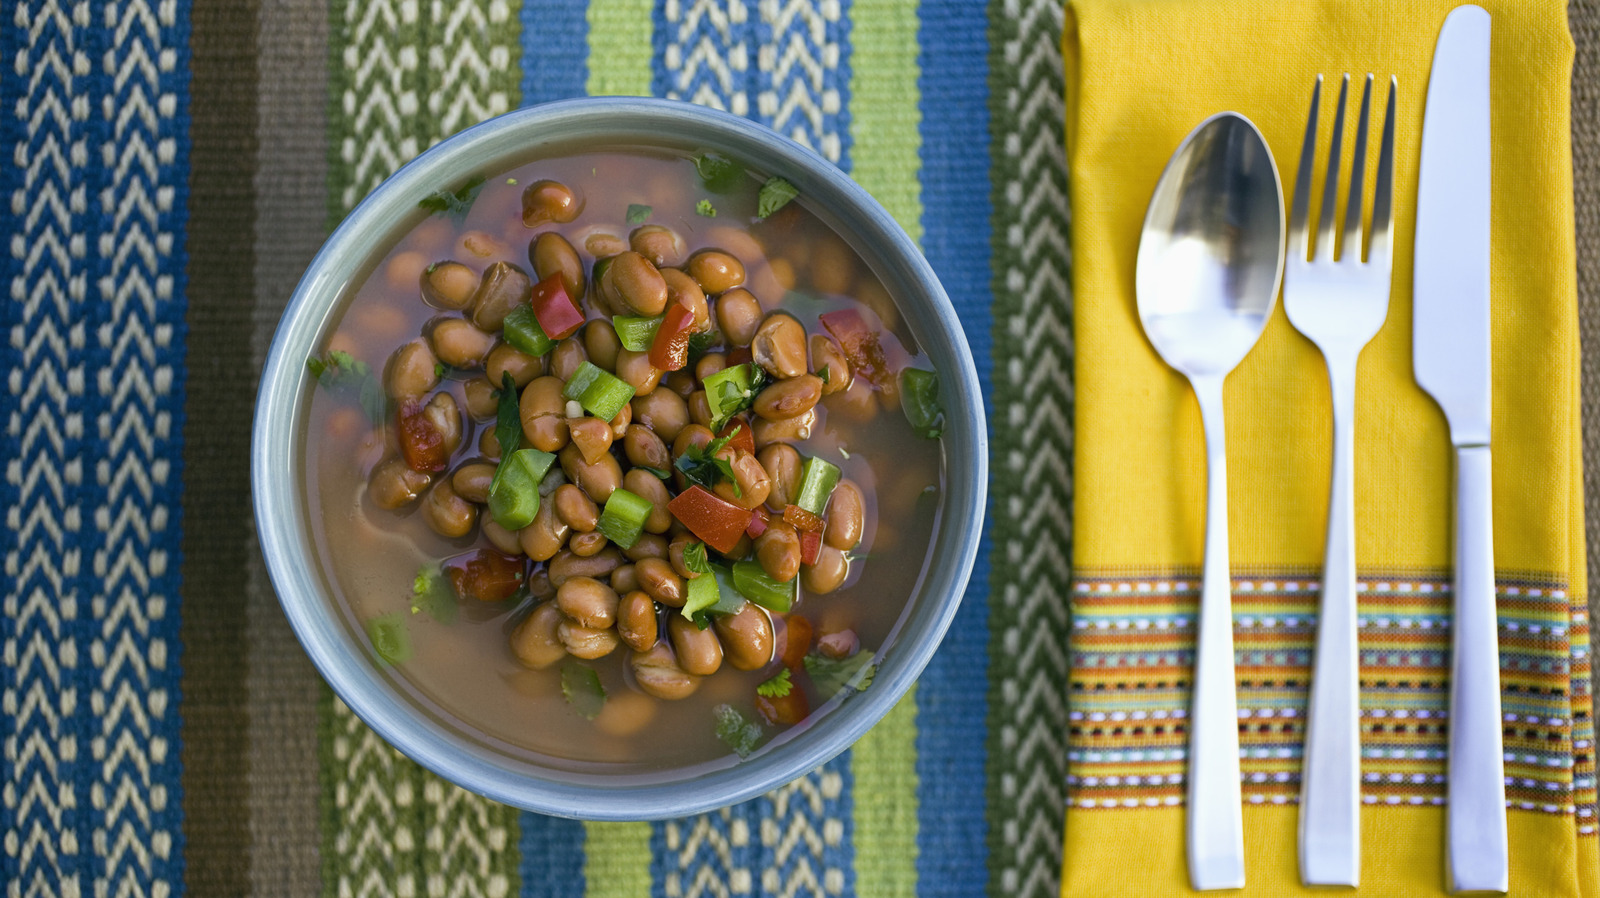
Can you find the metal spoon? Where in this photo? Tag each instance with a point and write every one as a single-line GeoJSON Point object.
{"type": "Point", "coordinates": [1210, 257]}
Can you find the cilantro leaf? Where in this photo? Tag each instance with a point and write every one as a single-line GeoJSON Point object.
{"type": "Point", "coordinates": [737, 733]}
{"type": "Point", "coordinates": [508, 417]}
{"type": "Point", "coordinates": [694, 558]}
{"type": "Point", "coordinates": [341, 373]}
{"type": "Point", "coordinates": [775, 194]}
{"type": "Point", "coordinates": [430, 593]}
{"type": "Point", "coordinates": [389, 638]}
{"type": "Point", "coordinates": [659, 474]}
{"type": "Point", "coordinates": [455, 203]}
{"type": "Point", "coordinates": [700, 342]}
{"type": "Point", "coordinates": [701, 465]}
{"type": "Point", "coordinates": [777, 687]}
{"type": "Point", "coordinates": [832, 676]}
{"type": "Point", "coordinates": [718, 174]}
{"type": "Point", "coordinates": [639, 213]}
{"type": "Point", "coordinates": [705, 208]}
{"type": "Point", "coordinates": [580, 686]}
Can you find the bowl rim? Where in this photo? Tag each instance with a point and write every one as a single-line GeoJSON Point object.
{"type": "Point", "coordinates": [279, 501]}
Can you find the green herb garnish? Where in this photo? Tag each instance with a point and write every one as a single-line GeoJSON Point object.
{"type": "Point", "coordinates": [775, 194]}
{"type": "Point", "coordinates": [341, 373]}
{"type": "Point", "coordinates": [580, 685]}
{"type": "Point", "coordinates": [831, 676]}
{"type": "Point", "coordinates": [430, 593]}
{"type": "Point", "coordinates": [508, 417]}
{"type": "Point", "coordinates": [737, 733]}
{"type": "Point", "coordinates": [389, 638]}
{"type": "Point", "coordinates": [705, 208]}
{"type": "Point", "coordinates": [694, 558]}
{"type": "Point", "coordinates": [639, 213]}
{"type": "Point", "coordinates": [454, 203]}
{"type": "Point", "coordinates": [701, 465]}
{"type": "Point", "coordinates": [700, 343]}
{"type": "Point", "coordinates": [731, 391]}
{"type": "Point", "coordinates": [777, 687]}
{"type": "Point", "coordinates": [660, 474]}
{"type": "Point", "coordinates": [718, 174]}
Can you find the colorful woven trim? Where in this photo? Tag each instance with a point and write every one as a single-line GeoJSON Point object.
{"type": "Point", "coordinates": [1132, 648]}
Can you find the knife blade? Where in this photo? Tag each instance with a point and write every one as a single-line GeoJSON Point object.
{"type": "Point", "coordinates": [1451, 361]}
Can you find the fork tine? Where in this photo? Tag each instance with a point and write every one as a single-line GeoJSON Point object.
{"type": "Point", "coordinates": [1383, 195]}
{"type": "Point", "coordinates": [1300, 211]}
{"type": "Point", "coordinates": [1351, 250]}
{"type": "Point", "coordinates": [1330, 193]}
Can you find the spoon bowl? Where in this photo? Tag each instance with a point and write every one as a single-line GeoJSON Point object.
{"type": "Point", "coordinates": [1210, 259]}
{"type": "Point", "coordinates": [1211, 251]}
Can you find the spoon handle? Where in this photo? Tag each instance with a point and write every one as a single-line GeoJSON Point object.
{"type": "Point", "coordinates": [1215, 820]}
{"type": "Point", "coordinates": [1330, 788]}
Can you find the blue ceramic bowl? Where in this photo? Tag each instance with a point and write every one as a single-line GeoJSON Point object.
{"type": "Point", "coordinates": [278, 476]}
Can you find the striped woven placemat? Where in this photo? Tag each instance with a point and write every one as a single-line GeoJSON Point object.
{"type": "Point", "coordinates": [173, 164]}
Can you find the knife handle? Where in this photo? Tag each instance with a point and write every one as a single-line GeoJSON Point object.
{"type": "Point", "coordinates": [1477, 811]}
{"type": "Point", "coordinates": [1216, 811]}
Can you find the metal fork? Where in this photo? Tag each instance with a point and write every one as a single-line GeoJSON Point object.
{"type": "Point", "coordinates": [1339, 304]}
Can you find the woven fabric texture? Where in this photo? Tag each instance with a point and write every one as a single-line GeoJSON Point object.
{"type": "Point", "coordinates": [171, 167]}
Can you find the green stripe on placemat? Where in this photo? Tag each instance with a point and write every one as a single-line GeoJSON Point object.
{"type": "Point", "coordinates": [616, 860]}
{"type": "Point", "coordinates": [403, 76]}
{"type": "Point", "coordinates": [885, 157]}
{"type": "Point", "coordinates": [620, 42]}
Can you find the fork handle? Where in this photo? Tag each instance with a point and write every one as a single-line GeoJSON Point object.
{"type": "Point", "coordinates": [1216, 815]}
{"type": "Point", "coordinates": [1330, 788]}
{"type": "Point", "coordinates": [1477, 810]}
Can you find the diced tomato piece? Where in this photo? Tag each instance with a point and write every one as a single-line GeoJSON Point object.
{"type": "Point", "coordinates": [810, 546]}
{"type": "Point", "coordinates": [485, 575]}
{"type": "Point", "coordinates": [718, 523]}
{"type": "Point", "coordinates": [786, 711]}
{"type": "Point", "coordinates": [559, 315]}
{"type": "Point", "coordinates": [421, 444]}
{"type": "Point", "coordinates": [758, 522]}
{"type": "Point", "coordinates": [801, 519]}
{"type": "Point", "coordinates": [670, 351]}
{"type": "Point", "coordinates": [796, 641]}
{"type": "Point", "coordinates": [743, 437]}
{"type": "Point", "coordinates": [860, 344]}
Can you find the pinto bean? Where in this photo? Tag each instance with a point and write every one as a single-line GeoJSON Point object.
{"type": "Point", "coordinates": [471, 481]}
{"type": "Point", "coordinates": [601, 344]}
{"type": "Point", "coordinates": [783, 465]}
{"type": "Point", "coordinates": [663, 411]}
{"type": "Point", "coordinates": [507, 359]}
{"type": "Point", "coordinates": [657, 578]}
{"type": "Point", "coordinates": [550, 253]}
{"type": "Point", "coordinates": [779, 346]}
{"type": "Point", "coordinates": [698, 651]}
{"type": "Point", "coordinates": [658, 674]}
{"type": "Point", "coordinates": [587, 643]}
{"type": "Point", "coordinates": [566, 565]}
{"type": "Point", "coordinates": [412, 370]}
{"type": "Point", "coordinates": [778, 550]}
{"type": "Point", "coordinates": [746, 637]}
{"type": "Point", "coordinates": [658, 243]}
{"type": "Point", "coordinates": [448, 514]}
{"type": "Point", "coordinates": [543, 412]}
{"type": "Point", "coordinates": [649, 487]}
{"type": "Point", "coordinates": [645, 449]}
{"type": "Point", "coordinates": [534, 642]}
{"type": "Point", "coordinates": [503, 288]}
{"type": "Point", "coordinates": [543, 538]}
{"type": "Point", "coordinates": [789, 398]}
{"type": "Point", "coordinates": [683, 290]}
{"type": "Point", "coordinates": [828, 574]}
{"type": "Point", "coordinates": [575, 508]}
{"type": "Point", "coordinates": [636, 621]}
{"type": "Point", "coordinates": [449, 285]}
{"type": "Point", "coordinates": [829, 363]}
{"type": "Point", "coordinates": [715, 270]}
{"type": "Point", "coordinates": [588, 601]}
{"type": "Point", "coordinates": [738, 316]}
{"type": "Point", "coordinates": [393, 484]}
{"type": "Point", "coordinates": [599, 480]}
{"type": "Point", "coordinates": [549, 201]}
{"type": "Point", "coordinates": [633, 282]}
{"type": "Point", "coordinates": [458, 343]}
{"type": "Point", "coordinates": [847, 514]}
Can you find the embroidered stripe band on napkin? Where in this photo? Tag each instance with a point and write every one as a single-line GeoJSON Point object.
{"type": "Point", "coordinates": [1139, 77]}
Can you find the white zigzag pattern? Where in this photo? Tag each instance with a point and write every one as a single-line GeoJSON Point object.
{"type": "Point", "coordinates": [708, 61]}
{"type": "Point", "coordinates": [127, 702]}
{"type": "Point", "coordinates": [465, 95]}
{"type": "Point", "coordinates": [382, 93]}
{"type": "Point", "coordinates": [803, 66]}
{"type": "Point", "coordinates": [1036, 689]}
{"type": "Point", "coordinates": [41, 695]}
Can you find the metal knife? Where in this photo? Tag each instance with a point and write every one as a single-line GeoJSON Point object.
{"type": "Point", "coordinates": [1450, 355]}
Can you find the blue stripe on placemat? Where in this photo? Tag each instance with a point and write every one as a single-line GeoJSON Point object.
{"type": "Point", "coordinates": [555, 50]}
{"type": "Point", "coordinates": [555, 66]}
{"type": "Point", "coordinates": [952, 694]}
{"type": "Point", "coordinates": [96, 196]}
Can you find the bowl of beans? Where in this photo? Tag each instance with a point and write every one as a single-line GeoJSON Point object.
{"type": "Point", "coordinates": [619, 459]}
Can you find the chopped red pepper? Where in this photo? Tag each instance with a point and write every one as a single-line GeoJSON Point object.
{"type": "Point", "coordinates": [801, 519]}
{"type": "Point", "coordinates": [485, 575]}
{"type": "Point", "coordinates": [758, 522]}
{"type": "Point", "coordinates": [670, 351]}
{"type": "Point", "coordinates": [810, 546]}
{"type": "Point", "coordinates": [559, 316]}
{"type": "Point", "coordinates": [421, 444]}
{"type": "Point", "coordinates": [796, 640]}
{"type": "Point", "coordinates": [718, 523]}
{"type": "Point", "coordinates": [860, 344]}
{"type": "Point", "coordinates": [786, 711]}
{"type": "Point", "coordinates": [744, 438]}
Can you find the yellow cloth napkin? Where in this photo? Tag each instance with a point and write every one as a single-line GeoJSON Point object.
{"type": "Point", "coordinates": [1140, 75]}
